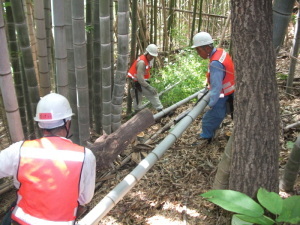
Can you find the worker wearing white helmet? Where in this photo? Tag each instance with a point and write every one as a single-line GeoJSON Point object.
{"type": "Point", "coordinates": [220, 81]}
{"type": "Point", "coordinates": [54, 176]}
{"type": "Point", "coordinates": [139, 73]}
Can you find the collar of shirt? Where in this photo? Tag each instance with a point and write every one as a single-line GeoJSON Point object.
{"type": "Point", "coordinates": [212, 52]}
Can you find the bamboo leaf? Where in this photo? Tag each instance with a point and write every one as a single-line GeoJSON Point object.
{"type": "Point", "coordinates": [290, 210]}
{"type": "Point", "coordinates": [270, 200]}
{"type": "Point", "coordinates": [234, 201]}
{"type": "Point", "coordinates": [263, 220]}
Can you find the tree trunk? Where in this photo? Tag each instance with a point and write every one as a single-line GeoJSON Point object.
{"type": "Point", "coordinates": [108, 147]}
{"type": "Point", "coordinates": [256, 117]}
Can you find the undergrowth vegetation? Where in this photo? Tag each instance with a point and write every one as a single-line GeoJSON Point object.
{"type": "Point", "coordinates": [186, 69]}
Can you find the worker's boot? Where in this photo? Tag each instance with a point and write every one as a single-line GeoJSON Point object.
{"type": "Point", "coordinates": [202, 141]}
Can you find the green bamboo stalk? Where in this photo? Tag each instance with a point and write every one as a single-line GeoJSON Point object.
{"type": "Point", "coordinates": [222, 176]}
{"type": "Point", "coordinates": [200, 16]}
{"type": "Point", "coordinates": [151, 25]}
{"type": "Point", "coordinates": [7, 88]}
{"type": "Point", "coordinates": [133, 49]}
{"type": "Point", "coordinates": [24, 45]}
{"type": "Point", "coordinates": [171, 21]}
{"type": "Point", "coordinates": [112, 47]}
{"type": "Point", "coordinates": [97, 88]}
{"type": "Point", "coordinates": [58, 19]}
{"type": "Point", "coordinates": [71, 69]}
{"type": "Point", "coordinates": [294, 53]}
{"type": "Point", "coordinates": [122, 62]}
{"type": "Point", "coordinates": [49, 40]}
{"type": "Point", "coordinates": [80, 56]}
{"type": "Point", "coordinates": [15, 64]}
{"type": "Point", "coordinates": [44, 78]}
{"type": "Point", "coordinates": [193, 22]}
{"type": "Point", "coordinates": [32, 36]}
{"type": "Point", "coordinates": [165, 31]}
{"type": "Point", "coordinates": [291, 169]}
{"type": "Point", "coordinates": [282, 11]}
{"type": "Point", "coordinates": [155, 22]}
{"type": "Point", "coordinates": [105, 39]}
{"type": "Point", "coordinates": [89, 35]}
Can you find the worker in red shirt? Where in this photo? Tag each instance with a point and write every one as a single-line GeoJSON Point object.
{"type": "Point", "coordinates": [139, 72]}
{"type": "Point", "coordinates": [54, 176]}
{"type": "Point", "coordinates": [220, 81]}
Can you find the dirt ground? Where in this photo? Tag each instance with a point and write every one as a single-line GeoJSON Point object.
{"type": "Point", "coordinates": [169, 192]}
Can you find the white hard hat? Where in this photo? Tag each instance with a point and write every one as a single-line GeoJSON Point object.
{"type": "Point", "coordinates": [201, 39]}
{"type": "Point", "coordinates": [152, 50]}
{"type": "Point", "coordinates": [52, 111]}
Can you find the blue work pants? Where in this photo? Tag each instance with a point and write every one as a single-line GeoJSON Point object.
{"type": "Point", "coordinates": [213, 118]}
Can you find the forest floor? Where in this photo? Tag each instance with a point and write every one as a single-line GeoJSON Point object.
{"type": "Point", "coordinates": [170, 191]}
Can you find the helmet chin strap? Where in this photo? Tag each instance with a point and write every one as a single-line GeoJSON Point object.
{"type": "Point", "coordinates": [68, 136]}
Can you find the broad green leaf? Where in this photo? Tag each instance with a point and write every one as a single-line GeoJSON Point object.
{"type": "Point", "coordinates": [270, 200]}
{"type": "Point", "coordinates": [290, 210]}
{"type": "Point", "coordinates": [236, 221]}
{"type": "Point", "coordinates": [263, 220]}
{"type": "Point", "coordinates": [234, 201]}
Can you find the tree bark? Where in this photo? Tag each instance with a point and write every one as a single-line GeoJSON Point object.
{"type": "Point", "coordinates": [256, 117]}
{"type": "Point", "coordinates": [108, 147]}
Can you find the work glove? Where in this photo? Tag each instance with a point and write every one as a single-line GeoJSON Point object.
{"type": "Point", "coordinates": [201, 93]}
{"type": "Point", "coordinates": [152, 90]}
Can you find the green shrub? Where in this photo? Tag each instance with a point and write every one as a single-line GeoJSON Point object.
{"type": "Point", "coordinates": [250, 212]}
{"type": "Point", "coordinates": [188, 69]}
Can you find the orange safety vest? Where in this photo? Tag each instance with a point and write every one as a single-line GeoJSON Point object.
{"type": "Point", "coordinates": [49, 174]}
{"type": "Point", "coordinates": [228, 81]}
{"type": "Point", "coordinates": [132, 71]}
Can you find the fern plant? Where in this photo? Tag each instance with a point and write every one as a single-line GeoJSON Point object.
{"type": "Point", "coordinates": [249, 211]}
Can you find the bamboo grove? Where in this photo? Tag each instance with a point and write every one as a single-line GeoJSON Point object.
{"type": "Point", "coordinates": [82, 50]}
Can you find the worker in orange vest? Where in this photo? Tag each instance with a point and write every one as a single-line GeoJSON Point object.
{"type": "Point", "coordinates": [54, 176]}
{"type": "Point", "coordinates": [139, 73]}
{"type": "Point", "coordinates": [220, 81]}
